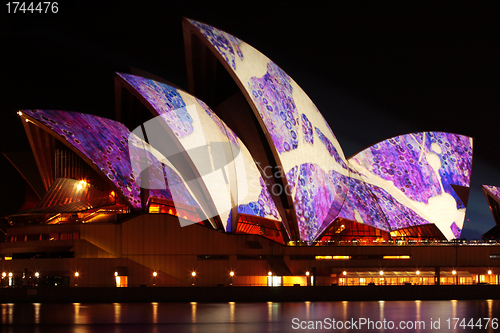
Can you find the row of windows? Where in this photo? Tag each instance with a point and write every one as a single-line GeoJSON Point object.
{"type": "Point", "coordinates": [222, 257]}
{"type": "Point", "coordinates": [38, 255]}
{"type": "Point", "coordinates": [309, 257]}
{"type": "Point", "coordinates": [356, 257]}
{"type": "Point", "coordinates": [44, 237]}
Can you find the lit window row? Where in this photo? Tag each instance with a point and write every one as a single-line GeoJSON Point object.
{"type": "Point", "coordinates": [417, 272]}
{"type": "Point", "coordinates": [231, 273]}
{"type": "Point", "coordinates": [404, 257]}
{"type": "Point", "coordinates": [37, 274]}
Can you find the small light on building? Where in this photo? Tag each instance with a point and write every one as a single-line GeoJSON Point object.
{"type": "Point", "coordinates": [155, 274]}
{"type": "Point", "coordinates": [37, 274]}
{"type": "Point", "coordinates": [78, 274]}
{"type": "Point", "coordinates": [4, 274]}
{"type": "Point", "coordinates": [417, 272]}
{"type": "Point", "coordinates": [193, 273]}
{"type": "Point", "coordinates": [270, 273]}
{"type": "Point", "coordinates": [454, 272]}
{"type": "Point", "coordinates": [116, 273]}
{"type": "Point", "coordinates": [489, 272]}
{"type": "Point", "coordinates": [381, 272]}
{"type": "Point", "coordinates": [10, 274]}
{"type": "Point", "coordinates": [26, 120]}
{"type": "Point", "coordinates": [19, 113]}
{"type": "Point", "coordinates": [81, 184]}
{"type": "Point", "coordinates": [231, 273]}
{"type": "Point", "coordinates": [344, 273]}
{"type": "Point", "coordinates": [307, 273]}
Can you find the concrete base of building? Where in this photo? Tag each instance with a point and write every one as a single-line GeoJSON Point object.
{"type": "Point", "coordinates": [246, 294]}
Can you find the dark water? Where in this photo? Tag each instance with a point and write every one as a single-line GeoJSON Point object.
{"type": "Point", "coordinates": [253, 317]}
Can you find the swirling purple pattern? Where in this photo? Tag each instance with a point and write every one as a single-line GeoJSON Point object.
{"type": "Point", "coordinates": [166, 101]}
{"type": "Point", "coordinates": [455, 158]}
{"type": "Point", "coordinates": [226, 44]}
{"type": "Point", "coordinates": [420, 166]}
{"type": "Point", "coordinates": [263, 207]}
{"type": "Point", "coordinates": [102, 141]}
{"type": "Point", "coordinates": [307, 129]}
{"type": "Point", "coordinates": [313, 200]}
{"type": "Point", "coordinates": [397, 215]}
{"type": "Point", "coordinates": [456, 230]}
{"type": "Point", "coordinates": [272, 95]}
{"type": "Point", "coordinates": [493, 190]}
{"type": "Point", "coordinates": [361, 200]}
{"type": "Point", "coordinates": [291, 178]}
{"type": "Point", "coordinates": [402, 160]}
{"type": "Point", "coordinates": [163, 98]}
{"type": "Point", "coordinates": [105, 143]}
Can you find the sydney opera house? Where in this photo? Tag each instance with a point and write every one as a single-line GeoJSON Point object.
{"type": "Point", "coordinates": [253, 190]}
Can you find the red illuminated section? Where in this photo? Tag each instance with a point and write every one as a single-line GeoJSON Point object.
{"type": "Point", "coordinates": [250, 224]}
{"type": "Point", "coordinates": [74, 201]}
{"type": "Point", "coordinates": [348, 231]}
{"type": "Point", "coordinates": [343, 230]}
{"type": "Point", "coordinates": [419, 232]}
{"type": "Point", "coordinates": [163, 206]}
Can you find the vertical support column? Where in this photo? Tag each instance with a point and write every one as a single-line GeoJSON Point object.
{"type": "Point", "coordinates": [437, 276]}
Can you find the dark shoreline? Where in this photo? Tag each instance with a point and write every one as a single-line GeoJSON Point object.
{"type": "Point", "coordinates": [246, 294]}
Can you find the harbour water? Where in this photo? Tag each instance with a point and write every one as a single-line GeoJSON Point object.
{"type": "Point", "coordinates": [240, 317]}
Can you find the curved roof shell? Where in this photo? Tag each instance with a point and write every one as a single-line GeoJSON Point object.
{"type": "Point", "coordinates": [302, 142]}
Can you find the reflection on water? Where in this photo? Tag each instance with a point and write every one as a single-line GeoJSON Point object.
{"type": "Point", "coordinates": [236, 317]}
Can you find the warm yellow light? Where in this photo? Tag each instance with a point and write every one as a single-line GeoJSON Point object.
{"type": "Point", "coordinates": [7, 258]}
{"type": "Point", "coordinates": [381, 272]}
{"type": "Point", "coordinates": [78, 274]}
{"type": "Point", "coordinates": [26, 120]}
{"type": "Point", "coordinates": [193, 273]}
{"type": "Point", "coordinates": [19, 113]}
{"type": "Point", "coordinates": [270, 273]}
{"type": "Point", "coordinates": [10, 274]}
{"type": "Point", "coordinates": [116, 273]}
{"type": "Point", "coordinates": [37, 274]}
{"type": "Point", "coordinates": [396, 257]}
{"type": "Point", "coordinates": [344, 273]}
{"type": "Point", "coordinates": [417, 272]}
{"type": "Point", "coordinates": [454, 272]}
{"type": "Point", "coordinates": [81, 184]}
{"type": "Point", "coordinates": [155, 274]}
{"type": "Point", "coordinates": [4, 274]}
{"type": "Point", "coordinates": [154, 209]}
{"type": "Point", "coordinates": [231, 273]}
{"type": "Point", "coordinates": [489, 272]}
{"type": "Point", "coordinates": [307, 273]}
{"type": "Point", "coordinates": [332, 257]}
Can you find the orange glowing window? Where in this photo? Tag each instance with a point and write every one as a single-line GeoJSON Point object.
{"type": "Point", "coordinates": [397, 257]}
{"type": "Point", "coordinates": [154, 209]}
{"type": "Point", "coordinates": [333, 257]}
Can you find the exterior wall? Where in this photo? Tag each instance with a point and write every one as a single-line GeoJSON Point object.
{"type": "Point", "coordinates": [156, 242]}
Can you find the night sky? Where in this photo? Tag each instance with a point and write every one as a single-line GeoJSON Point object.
{"type": "Point", "coordinates": [374, 69]}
